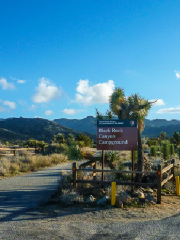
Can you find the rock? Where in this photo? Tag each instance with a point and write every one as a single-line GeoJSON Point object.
{"type": "Point", "coordinates": [138, 194]}
{"type": "Point", "coordinates": [119, 203]}
{"type": "Point", "coordinates": [124, 198]}
{"type": "Point", "coordinates": [90, 199]}
{"type": "Point", "coordinates": [163, 193]}
{"type": "Point", "coordinates": [101, 201]}
{"type": "Point", "coordinates": [140, 189]}
{"type": "Point", "coordinates": [123, 193]}
{"type": "Point", "coordinates": [150, 198]}
{"type": "Point", "coordinates": [150, 190]}
{"type": "Point", "coordinates": [98, 192]}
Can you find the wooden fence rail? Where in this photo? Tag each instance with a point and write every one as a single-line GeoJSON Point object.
{"type": "Point", "coordinates": [159, 183]}
{"type": "Point", "coordinates": [14, 149]}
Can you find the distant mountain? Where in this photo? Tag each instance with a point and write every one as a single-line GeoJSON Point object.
{"type": "Point", "coordinates": [87, 124]}
{"type": "Point", "coordinates": [35, 128]}
{"type": "Point", "coordinates": [43, 129]}
{"type": "Point", "coordinates": [161, 122]}
{"type": "Point", "coordinates": [152, 127]}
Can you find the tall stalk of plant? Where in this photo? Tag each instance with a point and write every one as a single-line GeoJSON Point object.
{"type": "Point", "coordinates": [165, 149]}
{"type": "Point", "coordinates": [172, 149]}
{"type": "Point", "coordinates": [153, 151]}
{"type": "Point", "coordinates": [178, 152]}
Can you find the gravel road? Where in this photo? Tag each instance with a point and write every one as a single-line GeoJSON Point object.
{"type": "Point", "coordinates": [22, 218]}
{"type": "Point", "coordinates": [89, 226]}
{"type": "Point", "coordinates": [23, 192]}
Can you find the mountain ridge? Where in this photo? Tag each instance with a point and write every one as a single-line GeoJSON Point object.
{"type": "Point", "coordinates": [152, 127]}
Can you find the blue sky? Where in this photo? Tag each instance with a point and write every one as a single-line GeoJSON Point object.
{"type": "Point", "coordinates": [62, 59]}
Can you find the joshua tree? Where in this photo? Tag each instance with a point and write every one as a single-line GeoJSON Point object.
{"type": "Point", "coordinates": [162, 135]}
{"type": "Point", "coordinates": [60, 138]}
{"type": "Point", "coordinates": [132, 107]}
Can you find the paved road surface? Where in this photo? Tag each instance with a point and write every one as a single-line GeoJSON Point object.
{"type": "Point", "coordinates": [29, 190]}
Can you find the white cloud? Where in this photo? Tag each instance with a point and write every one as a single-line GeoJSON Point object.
{"type": "Point", "coordinates": [72, 111]}
{"type": "Point", "coordinates": [158, 102]}
{"type": "Point", "coordinates": [22, 102]}
{"type": "Point", "coordinates": [169, 110]}
{"type": "Point", "coordinates": [48, 112]}
{"type": "Point", "coordinates": [12, 105]}
{"type": "Point", "coordinates": [98, 93]}
{"type": "Point", "coordinates": [21, 81]}
{"type": "Point", "coordinates": [177, 74]}
{"type": "Point", "coordinates": [46, 91]}
{"type": "Point", "coordinates": [5, 85]}
{"type": "Point", "coordinates": [32, 107]}
{"type": "Point", "coordinates": [2, 109]}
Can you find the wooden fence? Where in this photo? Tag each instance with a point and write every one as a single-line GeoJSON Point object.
{"type": "Point", "coordinates": [158, 184]}
{"type": "Point", "coordinates": [15, 149]}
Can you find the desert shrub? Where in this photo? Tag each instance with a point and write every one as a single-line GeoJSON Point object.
{"type": "Point", "coordinates": [81, 144]}
{"type": "Point", "coordinates": [86, 139]}
{"type": "Point", "coordinates": [14, 168]}
{"type": "Point", "coordinates": [58, 158]}
{"type": "Point", "coordinates": [65, 181]}
{"type": "Point", "coordinates": [29, 163]}
{"type": "Point", "coordinates": [63, 148]}
{"type": "Point", "coordinates": [74, 153]}
{"type": "Point", "coordinates": [122, 176]}
{"type": "Point", "coordinates": [112, 156]}
{"type": "Point", "coordinates": [4, 166]}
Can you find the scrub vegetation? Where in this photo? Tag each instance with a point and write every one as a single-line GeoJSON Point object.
{"type": "Point", "coordinates": [60, 150]}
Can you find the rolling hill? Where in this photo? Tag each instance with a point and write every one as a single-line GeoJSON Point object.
{"type": "Point", "coordinates": [34, 128]}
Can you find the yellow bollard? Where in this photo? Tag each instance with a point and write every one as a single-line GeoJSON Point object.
{"type": "Point", "coordinates": [177, 186]}
{"type": "Point", "coordinates": [113, 193]}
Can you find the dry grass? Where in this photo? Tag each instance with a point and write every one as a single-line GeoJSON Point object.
{"type": "Point", "coordinates": [28, 163]}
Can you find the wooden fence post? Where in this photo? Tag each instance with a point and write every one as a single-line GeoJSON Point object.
{"type": "Point", "coordinates": [74, 167]}
{"type": "Point", "coordinates": [14, 151]}
{"type": "Point", "coordinates": [159, 179]}
{"type": "Point", "coordinates": [95, 173]}
{"type": "Point", "coordinates": [172, 170]}
{"type": "Point", "coordinates": [132, 169]}
{"type": "Point", "coordinates": [103, 158]}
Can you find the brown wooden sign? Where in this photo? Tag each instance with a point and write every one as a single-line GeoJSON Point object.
{"type": "Point", "coordinates": [117, 134]}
